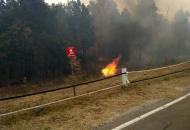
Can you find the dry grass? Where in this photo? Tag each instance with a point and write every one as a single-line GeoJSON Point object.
{"type": "Point", "coordinates": [91, 111]}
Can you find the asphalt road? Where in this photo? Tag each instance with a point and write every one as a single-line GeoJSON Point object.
{"type": "Point", "coordinates": [176, 117]}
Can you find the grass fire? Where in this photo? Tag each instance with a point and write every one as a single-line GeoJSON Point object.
{"type": "Point", "coordinates": [111, 69]}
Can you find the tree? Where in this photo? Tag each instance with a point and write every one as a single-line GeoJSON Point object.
{"type": "Point", "coordinates": [2, 4]}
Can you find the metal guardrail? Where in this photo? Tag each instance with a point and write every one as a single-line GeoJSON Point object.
{"type": "Point", "coordinates": [156, 77]}
{"type": "Point", "coordinates": [74, 97]}
{"type": "Point", "coordinates": [165, 67]}
{"type": "Point", "coordinates": [61, 88]}
{"type": "Point", "coordinates": [55, 102]}
{"type": "Point", "coordinates": [98, 80]}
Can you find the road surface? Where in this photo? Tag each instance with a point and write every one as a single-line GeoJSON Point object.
{"type": "Point", "coordinates": [175, 117]}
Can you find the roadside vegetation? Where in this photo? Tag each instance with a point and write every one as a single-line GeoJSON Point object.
{"type": "Point", "coordinates": [34, 36]}
{"type": "Point", "coordinates": [93, 111]}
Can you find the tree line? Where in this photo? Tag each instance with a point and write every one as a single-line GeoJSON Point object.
{"type": "Point", "coordinates": [34, 36]}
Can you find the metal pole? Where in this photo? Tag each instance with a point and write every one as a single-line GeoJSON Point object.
{"type": "Point", "coordinates": [73, 78]}
{"type": "Point", "coordinates": [72, 67]}
{"type": "Point", "coordinates": [74, 89]}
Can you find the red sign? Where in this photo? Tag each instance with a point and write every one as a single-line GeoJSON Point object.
{"type": "Point", "coordinates": [71, 52]}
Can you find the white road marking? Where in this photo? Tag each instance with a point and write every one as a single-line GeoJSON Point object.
{"type": "Point", "coordinates": [150, 113]}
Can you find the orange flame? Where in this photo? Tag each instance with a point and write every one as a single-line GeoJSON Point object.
{"type": "Point", "coordinates": [111, 69]}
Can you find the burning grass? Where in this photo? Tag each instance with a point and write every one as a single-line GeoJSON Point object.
{"type": "Point", "coordinates": [112, 68]}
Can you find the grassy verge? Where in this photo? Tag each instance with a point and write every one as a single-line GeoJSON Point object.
{"type": "Point", "coordinates": [92, 111]}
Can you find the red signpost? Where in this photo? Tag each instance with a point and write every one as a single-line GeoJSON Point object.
{"type": "Point", "coordinates": [72, 55]}
{"type": "Point", "coordinates": [71, 52]}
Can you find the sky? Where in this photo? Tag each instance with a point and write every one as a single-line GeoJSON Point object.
{"type": "Point", "coordinates": [63, 1]}
{"type": "Point", "coordinates": [170, 6]}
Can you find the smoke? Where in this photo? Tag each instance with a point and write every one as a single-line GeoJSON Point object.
{"type": "Point", "coordinates": [136, 29]}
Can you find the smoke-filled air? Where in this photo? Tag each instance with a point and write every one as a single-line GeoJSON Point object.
{"type": "Point", "coordinates": [138, 32]}
{"type": "Point", "coordinates": [34, 36]}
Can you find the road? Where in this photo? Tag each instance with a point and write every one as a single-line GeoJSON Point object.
{"type": "Point", "coordinates": [175, 117]}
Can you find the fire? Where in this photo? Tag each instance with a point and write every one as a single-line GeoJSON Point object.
{"type": "Point", "coordinates": [111, 69]}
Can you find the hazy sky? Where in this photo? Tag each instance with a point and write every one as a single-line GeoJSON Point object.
{"type": "Point", "coordinates": [170, 6]}
{"type": "Point", "coordinates": [55, 1]}
{"type": "Point", "coordinates": [63, 1]}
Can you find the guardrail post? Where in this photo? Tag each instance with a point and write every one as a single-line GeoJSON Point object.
{"type": "Point", "coordinates": [125, 79]}
{"type": "Point", "coordinates": [74, 90]}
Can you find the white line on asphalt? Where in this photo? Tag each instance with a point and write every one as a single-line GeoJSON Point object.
{"type": "Point", "coordinates": [150, 113]}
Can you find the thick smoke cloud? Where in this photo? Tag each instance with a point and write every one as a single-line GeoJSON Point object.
{"type": "Point", "coordinates": [139, 33]}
